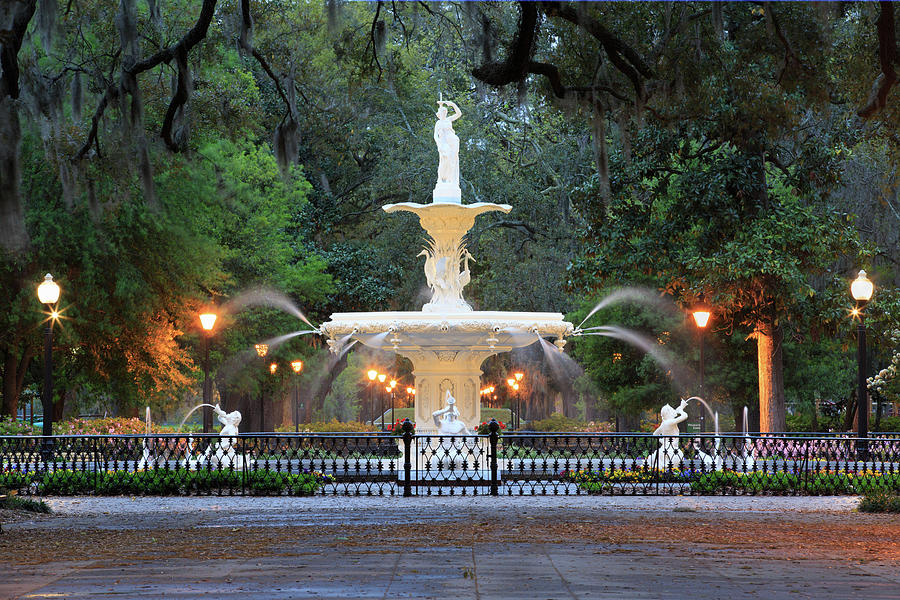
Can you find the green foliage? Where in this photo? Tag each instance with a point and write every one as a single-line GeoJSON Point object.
{"type": "Point", "coordinates": [26, 504]}
{"type": "Point", "coordinates": [557, 422]}
{"type": "Point", "coordinates": [11, 426]}
{"type": "Point", "coordinates": [163, 482]}
{"type": "Point", "coordinates": [333, 426]}
{"type": "Point", "coordinates": [816, 483]}
{"type": "Point", "coordinates": [880, 501]}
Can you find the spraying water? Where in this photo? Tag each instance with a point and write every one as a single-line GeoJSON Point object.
{"type": "Point", "coordinates": [266, 297]}
{"type": "Point", "coordinates": [638, 294]}
{"type": "Point", "coordinates": [190, 412]}
{"type": "Point", "coordinates": [642, 342]}
{"type": "Point", "coordinates": [713, 415]}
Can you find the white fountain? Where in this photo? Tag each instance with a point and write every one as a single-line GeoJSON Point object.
{"type": "Point", "coordinates": [446, 341]}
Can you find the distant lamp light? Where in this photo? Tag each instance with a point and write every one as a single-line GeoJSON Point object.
{"type": "Point", "coordinates": [413, 391]}
{"type": "Point", "coordinates": [48, 291]}
{"type": "Point", "coordinates": [519, 376]}
{"type": "Point", "coordinates": [516, 386]}
{"type": "Point", "coordinates": [372, 374]}
{"type": "Point", "coordinates": [262, 349]}
{"type": "Point", "coordinates": [388, 388]}
{"type": "Point", "coordinates": [208, 321]}
{"type": "Point", "coordinates": [393, 383]}
{"type": "Point", "coordinates": [382, 377]}
{"type": "Point", "coordinates": [409, 390]}
{"type": "Point", "coordinates": [861, 289]}
{"type": "Point", "coordinates": [273, 367]}
{"type": "Point", "coordinates": [297, 365]}
{"type": "Point", "coordinates": [510, 382]}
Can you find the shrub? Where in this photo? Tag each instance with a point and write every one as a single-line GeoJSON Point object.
{"type": "Point", "coordinates": [332, 426]}
{"type": "Point", "coordinates": [888, 424]}
{"type": "Point", "coordinates": [27, 504]}
{"type": "Point", "coordinates": [485, 428]}
{"type": "Point", "coordinates": [878, 501]}
{"type": "Point", "coordinates": [10, 426]}
{"type": "Point", "coordinates": [557, 422]}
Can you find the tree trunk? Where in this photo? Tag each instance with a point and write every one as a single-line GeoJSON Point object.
{"type": "Point", "coordinates": [771, 377]}
{"type": "Point", "coordinates": [10, 393]}
{"type": "Point", "coordinates": [13, 235]}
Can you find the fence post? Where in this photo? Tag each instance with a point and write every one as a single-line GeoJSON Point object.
{"type": "Point", "coordinates": [407, 453]}
{"type": "Point", "coordinates": [494, 428]}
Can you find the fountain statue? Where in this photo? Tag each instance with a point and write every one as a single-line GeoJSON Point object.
{"type": "Point", "coordinates": [447, 419]}
{"type": "Point", "coordinates": [447, 187]}
{"type": "Point", "coordinates": [669, 455]}
{"type": "Point", "coordinates": [222, 454]}
{"type": "Point", "coordinates": [447, 341]}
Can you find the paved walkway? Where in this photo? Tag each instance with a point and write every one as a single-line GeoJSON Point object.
{"type": "Point", "coordinates": [581, 547]}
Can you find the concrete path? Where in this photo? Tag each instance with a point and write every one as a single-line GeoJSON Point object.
{"type": "Point", "coordinates": [542, 548]}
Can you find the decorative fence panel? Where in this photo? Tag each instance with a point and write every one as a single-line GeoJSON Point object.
{"type": "Point", "coordinates": [512, 464]}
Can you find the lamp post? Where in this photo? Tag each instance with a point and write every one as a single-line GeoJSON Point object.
{"type": "Point", "coordinates": [701, 315]}
{"type": "Point", "coordinates": [261, 351]}
{"type": "Point", "coordinates": [381, 379]}
{"type": "Point", "coordinates": [297, 366]}
{"type": "Point", "coordinates": [371, 374]}
{"type": "Point", "coordinates": [207, 321]}
{"type": "Point", "coordinates": [861, 289]}
{"type": "Point", "coordinates": [518, 377]}
{"type": "Point", "coordinates": [48, 293]}
{"type": "Point", "coordinates": [392, 386]}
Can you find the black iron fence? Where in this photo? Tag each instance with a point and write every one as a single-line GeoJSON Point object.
{"type": "Point", "coordinates": [418, 464]}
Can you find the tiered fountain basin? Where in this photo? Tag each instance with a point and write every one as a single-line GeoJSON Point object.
{"type": "Point", "coordinates": [446, 349]}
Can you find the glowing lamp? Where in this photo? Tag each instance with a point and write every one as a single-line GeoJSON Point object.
{"type": "Point", "coordinates": [208, 321]}
{"type": "Point", "coordinates": [393, 383]}
{"type": "Point", "coordinates": [409, 390]}
{"type": "Point", "coordinates": [48, 291]}
{"type": "Point", "coordinates": [372, 374]}
{"type": "Point", "coordinates": [262, 349]}
{"type": "Point", "coordinates": [273, 367]}
{"type": "Point", "coordinates": [382, 377]}
{"type": "Point", "coordinates": [519, 376]}
{"type": "Point", "coordinates": [861, 289]}
{"type": "Point", "coordinates": [297, 365]}
{"type": "Point", "coordinates": [516, 386]}
{"type": "Point", "coordinates": [510, 382]}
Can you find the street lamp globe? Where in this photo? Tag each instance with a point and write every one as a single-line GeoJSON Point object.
{"type": "Point", "coordinates": [519, 376]}
{"type": "Point", "coordinates": [297, 365]}
{"type": "Point", "coordinates": [382, 377]}
{"type": "Point", "coordinates": [273, 367]}
{"type": "Point", "coordinates": [861, 288]}
{"type": "Point", "coordinates": [393, 383]}
{"type": "Point", "coordinates": [510, 382]}
{"type": "Point", "coordinates": [372, 374]}
{"type": "Point", "coordinates": [262, 349]}
{"type": "Point", "coordinates": [208, 321]}
{"type": "Point", "coordinates": [48, 291]}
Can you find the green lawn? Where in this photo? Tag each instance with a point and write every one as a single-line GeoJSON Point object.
{"type": "Point", "coordinates": [501, 414]}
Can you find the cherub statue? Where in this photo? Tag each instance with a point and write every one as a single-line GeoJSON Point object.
{"type": "Point", "coordinates": [447, 419]}
{"type": "Point", "coordinates": [224, 452]}
{"type": "Point", "coordinates": [669, 454]}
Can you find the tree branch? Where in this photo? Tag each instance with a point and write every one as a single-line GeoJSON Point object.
{"type": "Point", "coordinates": [10, 43]}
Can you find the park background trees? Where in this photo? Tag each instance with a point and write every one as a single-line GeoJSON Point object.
{"type": "Point", "coordinates": [162, 155]}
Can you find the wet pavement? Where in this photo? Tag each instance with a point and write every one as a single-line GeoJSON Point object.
{"type": "Point", "coordinates": [585, 547]}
